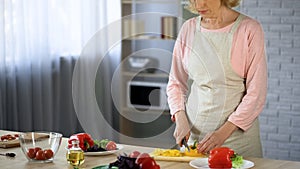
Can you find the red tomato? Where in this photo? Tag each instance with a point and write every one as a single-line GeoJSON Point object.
{"type": "Point", "coordinates": [48, 153]}
{"type": "Point", "coordinates": [40, 155]}
{"type": "Point", "coordinates": [111, 145]}
{"type": "Point", "coordinates": [10, 137]}
{"type": "Point", "coordinates": [148, 163]}
{"type": "Point", "coordinates": [31, 153]}
{"type": "Point", "coordinates": [141, 158]}
{"type": "Point", "coordinates": [134, 154]}
{"type": "Point", "coordinates": [36, 149]}
{"type": "Point", "coordinates": [4, 137]}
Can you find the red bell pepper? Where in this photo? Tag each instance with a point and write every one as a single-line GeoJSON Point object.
{"type": "Point", "coordinates": [85, 140]}
{"type": "Point", "coordinates": [220, 157]}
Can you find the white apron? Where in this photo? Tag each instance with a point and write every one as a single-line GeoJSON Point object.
{"type": "Point", "coordinates": [216, 90]}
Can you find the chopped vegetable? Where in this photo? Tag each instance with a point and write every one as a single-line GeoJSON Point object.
{"type": "Point", "coordinates": [237, 161]}
{"type": "Point", "coordinates": [106, 144]}
{"type": "Point", "coordinates": [193, 151]}
{"type": "Point", "coordinates": [167, 152]}
{"type": "Point", "coordinates": [176, 153]}
{"type": "Point", "coordinates": [102, 143]}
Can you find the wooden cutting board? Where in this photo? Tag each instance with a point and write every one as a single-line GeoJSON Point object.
{"type": "Point", "coordinates": [9, 144]}
{"type": "Point", "coordinates": [16, 143]}
{"type": "Point", "coordinates": [157, 155]}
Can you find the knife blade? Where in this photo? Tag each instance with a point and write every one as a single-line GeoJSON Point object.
{"type": "Point", "coordinates": [183, 141]}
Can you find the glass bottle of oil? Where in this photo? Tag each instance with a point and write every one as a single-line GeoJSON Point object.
{"type": "Point", "coordinates": [75, 155]}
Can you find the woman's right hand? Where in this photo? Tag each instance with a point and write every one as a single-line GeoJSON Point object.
{"type": "Point", "coordinates": [182, 129]}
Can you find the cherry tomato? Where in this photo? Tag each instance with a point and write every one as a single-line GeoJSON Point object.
{"type": "Point", "coordinates": [134, 154]}
{"type": "Point", "coordinates": [36, 149]}
{"type": "Point", "coordinates": [4, 137]}
{"type": "Point", "coordinates": [31, 153]}
{"type": "Point", "coordinates": [141, 158]}
{"type": "Point", "coordinates": [8, 137]}
{"type": "Point", "coordinates": [48, 153]}
{"type": "Point", "coordinates": [40, 155]}
{"type": "Point", "coordinates": [148, 163]}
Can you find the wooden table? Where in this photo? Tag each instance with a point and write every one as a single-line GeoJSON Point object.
{"type": "Point", "coordinates": [60, 162]}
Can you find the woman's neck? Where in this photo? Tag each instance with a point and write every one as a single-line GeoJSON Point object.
{"type": "Point", "coordinates": [225, 16]}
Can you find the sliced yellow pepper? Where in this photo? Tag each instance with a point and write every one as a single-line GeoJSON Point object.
{"type": "Point", "coordinates": [193, 152]}
{"type": "Point", "coordinates": [177, 153]}
{"type": "Point", "coordinates": [167, 152]}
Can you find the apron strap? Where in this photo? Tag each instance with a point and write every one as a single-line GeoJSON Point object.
{"type": "Point", "coordinates": [237, 23]}
{"type": "Point", "coordinates": [198, 26]}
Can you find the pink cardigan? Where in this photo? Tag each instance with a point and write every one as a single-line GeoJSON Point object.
{"type": "Point", "coordinates": [248, 61]}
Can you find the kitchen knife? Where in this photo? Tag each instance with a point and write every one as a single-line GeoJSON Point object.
{"type": "Point", "coordinates": [183, 141]}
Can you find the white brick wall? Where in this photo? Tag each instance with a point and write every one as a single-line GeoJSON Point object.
{"type": "Point", "coordinates": [280, 120]}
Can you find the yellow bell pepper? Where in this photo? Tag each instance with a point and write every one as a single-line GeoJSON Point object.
{"type": "Point", "coordinates": [193, 152]}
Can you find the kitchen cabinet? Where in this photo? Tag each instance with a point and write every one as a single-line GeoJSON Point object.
{"type": "Point", "coordinates": [149, 29]}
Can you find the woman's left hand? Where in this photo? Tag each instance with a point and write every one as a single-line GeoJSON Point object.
{"type": "Point", "coordinates": [210, 141]}
{"type": "Point", "coordinates": [216, 138]}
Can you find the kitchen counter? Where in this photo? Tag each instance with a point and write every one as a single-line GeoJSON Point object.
{"type": "Point", "coordinates": [60, 162]}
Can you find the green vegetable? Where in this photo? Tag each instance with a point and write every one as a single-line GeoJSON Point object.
{"type": "Point", "coordinates": [101, 143]}
{"type": "Point", "coordinates": [194, 146]}
{"type": "Point", "coordinates": [237, 161]}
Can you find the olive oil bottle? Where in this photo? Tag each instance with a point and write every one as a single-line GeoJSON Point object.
{"type": "Point", "coordinates": [75, 155]}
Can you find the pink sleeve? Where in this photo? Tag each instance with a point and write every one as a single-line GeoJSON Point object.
{"type": "Point", "coordinates": [177, 85]}
{"type": "Point", "coordinates": [255, 72]}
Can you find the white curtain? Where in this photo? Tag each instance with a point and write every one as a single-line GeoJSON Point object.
{"type": "Point", "coordinates": [40, 41]}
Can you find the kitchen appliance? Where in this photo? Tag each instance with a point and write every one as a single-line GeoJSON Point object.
{"type": "Point", "coordinates": [142, 63]}
{"type": "Point", "coordinates": [147, 95]}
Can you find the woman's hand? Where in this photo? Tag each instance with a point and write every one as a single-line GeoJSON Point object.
{"type": "Point", "coordinates": [210, 141]}
{"type": "Point", "coordinates": [182, 129]}
{"type": "Point", "coordinates": [216, 138]}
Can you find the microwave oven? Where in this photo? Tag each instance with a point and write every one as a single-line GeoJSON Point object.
{"type": "Point", "coordinates": [147, 95]}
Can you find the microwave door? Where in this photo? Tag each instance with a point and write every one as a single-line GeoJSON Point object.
{"type": "Point", "coordinates": [144, 96]}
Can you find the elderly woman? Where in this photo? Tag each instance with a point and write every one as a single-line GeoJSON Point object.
{"type": "Point", "coordinates": [218, 79]}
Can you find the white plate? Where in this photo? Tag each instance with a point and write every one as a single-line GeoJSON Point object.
{"type": "Point", "coordinates": [202, 163]}
{"type": "Point", "coordinates": [102, 153]}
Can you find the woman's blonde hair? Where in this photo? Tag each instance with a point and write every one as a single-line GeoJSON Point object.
{"type": "Point", "coordinates": [228, 3]}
